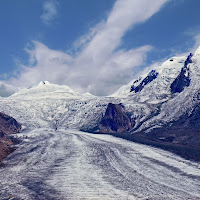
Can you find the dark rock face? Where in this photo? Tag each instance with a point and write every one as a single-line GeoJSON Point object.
{"type": "Point", "coordinates": [115, 120]}
{"type": "Point", "coordinates": [8, 125]}
{"type": "Point", "coordinates": [183, 79]}
{"type": "Point", "coordinates": [150, 77]}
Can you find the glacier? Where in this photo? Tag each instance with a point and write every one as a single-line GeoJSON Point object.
{"type": "Point", "coordinates": [55, 160]}
{"type": "Point", "coordinates": [69, 164]}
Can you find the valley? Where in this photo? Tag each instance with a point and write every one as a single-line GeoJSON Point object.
{"type": "Point", "coordinates": [69, 164]}
{"type": "Point", "coordinates": [57, 157]}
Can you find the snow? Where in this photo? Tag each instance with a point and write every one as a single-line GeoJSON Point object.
{"type": "Point", "coordinates": [46, 90]}
{"type": "Point", "coordinates": [197, 52]}
{"type": "Point", "coordinates": [57, 161]}
{"type": "Point", "coordinates": [69, 164]}
{"type": "Point", "coordinates": [153, 105]}
{"type": "Point", "coordinates": [161, 106]}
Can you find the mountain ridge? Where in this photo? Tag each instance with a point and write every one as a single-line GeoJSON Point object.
{"type": "Point", "coordinates": [152, 106]}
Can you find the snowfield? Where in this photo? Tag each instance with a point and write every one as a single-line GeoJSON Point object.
{"type": "Point", "coordinates": [69, 164]}
{"type": "Point", "coordinates": [57, 161]}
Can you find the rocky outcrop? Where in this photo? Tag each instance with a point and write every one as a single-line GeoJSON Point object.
{"type": "Point", "coordinates": [183, 79]}
{"type": "Point", "coordinates": [8, 125]}
{"type": "Point", "coordinates": [115, 120]}
{"type": "Point", "coordinates": [150, 77]}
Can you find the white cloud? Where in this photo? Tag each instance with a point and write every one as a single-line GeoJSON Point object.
{"type": "Point", "coordinates": [196, 44]}
{"type": "Point", "coordinates": [99, 67]}
{"type": "Point", "coordinates": [49, 11]}
{"type": "Point", "coordinates": [6, 89]}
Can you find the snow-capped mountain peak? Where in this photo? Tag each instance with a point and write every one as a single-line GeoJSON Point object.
{"type": "Point", "coordinates": [165, 93]}
{"type": "Point", "coordinates": [44, 89]}
{"type": "Point", "coordinates": [155, 98]}
{"type": "Point", "coordinates": [155, 84]}
{"type": "Point", "coordinates": [42, 83]}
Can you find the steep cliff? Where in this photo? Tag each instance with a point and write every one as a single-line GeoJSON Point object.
{"type": "Point", "coordinates": [115, 120]}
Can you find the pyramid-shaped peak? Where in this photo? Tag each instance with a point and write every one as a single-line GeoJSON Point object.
{"type": "Point", "coordinates": [44, 89]}
{"type": "Point", "coordinates": [43, 83]}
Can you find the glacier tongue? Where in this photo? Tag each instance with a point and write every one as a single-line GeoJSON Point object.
{"type": "Point", "coordinates": [56, 161]}
{"type": "Point", "coordinates": [69, 164]}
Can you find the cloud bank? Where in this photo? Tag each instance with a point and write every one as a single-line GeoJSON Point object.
{"type": "Point", "coordinates": [99, 66]}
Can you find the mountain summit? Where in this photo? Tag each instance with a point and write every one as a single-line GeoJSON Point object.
{"type": "Point", "coordinates": [44, 89]}
{"type": "Point", "coordinates": [162, 105]}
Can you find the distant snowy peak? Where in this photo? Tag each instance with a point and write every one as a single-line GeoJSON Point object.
{"type": "Point", "coordinates": [44, 89]}
{"type": "Point", "coordinates": [46, 86]}
{"type": "Point", "coordinates": [161, 82]}
{"type": "Point", "coordinates": [42, 83]}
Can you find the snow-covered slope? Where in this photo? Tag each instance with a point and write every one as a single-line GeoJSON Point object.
{"type": "Point", "coordinates": [45, 90]}
{"type": "Point", "coordinates": [54, 161]}
{"type": "Point", "coordinates": [51, 105]}
{"type": "Point", "coordinates": [156, 98]}
{"type": "Point", "coordinates": [165, 93]}
{"type": "Point", "coordinates": [179, 103]}
{"type": "Point", "coordinates": [158, 89]}
{"type": "Point", "coordinates": [73, 165]}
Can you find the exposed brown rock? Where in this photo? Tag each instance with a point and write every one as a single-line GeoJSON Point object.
{"type": "Point", "coordinates": [8, 125]}
{"type": "Point", "coordinates": [115, 120]}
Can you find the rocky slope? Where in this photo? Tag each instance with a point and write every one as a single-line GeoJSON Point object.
{"type": "Point", "coordinates": [115, 120]}
{"type": "Point", "coordinates": [5, 148]}
{"type": "Point", "coordinates": [8, 125]}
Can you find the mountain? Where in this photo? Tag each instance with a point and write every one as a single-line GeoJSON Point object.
{"type": "Point", "coordinates": [54, 160]}
{"type": "Point", "coordinates": [156, 105]}
{"type": "Point", "coordinates": [45, 90]}
{"type": "Point", "coordinates": [165, 102]}
{"type": "Point", "coordinates": [55, 106]}
{"type": "Point", "coordinates": [164, 94]}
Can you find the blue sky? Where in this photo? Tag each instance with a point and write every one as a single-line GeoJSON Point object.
{"type": "Point", "coordinates": [92, 46]}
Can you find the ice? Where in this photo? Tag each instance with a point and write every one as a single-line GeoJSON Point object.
{"type": "Point", "coordinates": [57, 161]}
{"type": "Point", "coordinates": [69, 164]}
